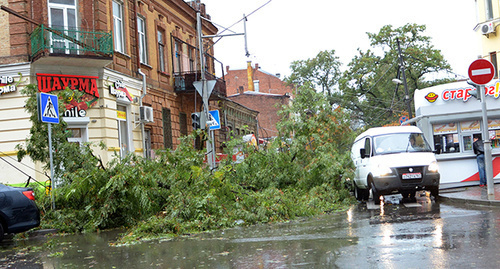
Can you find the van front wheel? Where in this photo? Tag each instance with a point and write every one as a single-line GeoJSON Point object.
{"type": "Point", "coordinates": [375, 193]}
{"type": "Point", "coordinates": [435, 192]}
{"type": "Point", "coordinates": [361, 194]}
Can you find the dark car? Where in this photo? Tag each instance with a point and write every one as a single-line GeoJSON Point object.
{"type": "Point", "coordinates": [18, 211]}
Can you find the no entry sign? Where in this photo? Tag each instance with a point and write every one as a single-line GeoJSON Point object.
{"type": "Point", "coordinates": [481, 71]}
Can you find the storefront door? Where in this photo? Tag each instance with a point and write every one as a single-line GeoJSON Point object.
{"type": "Point", "coordinates": [123, 130]}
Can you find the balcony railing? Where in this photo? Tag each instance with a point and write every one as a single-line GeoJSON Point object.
{"type": "Point", "coordinates": [184, 83]}
{"type": "Point", "coordinates": [73, 42]}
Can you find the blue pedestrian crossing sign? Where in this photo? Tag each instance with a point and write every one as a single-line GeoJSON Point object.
{"type": "Point", "coordinates": [215, 119]}
{"type": "Point", "coordinates": [48, 108]}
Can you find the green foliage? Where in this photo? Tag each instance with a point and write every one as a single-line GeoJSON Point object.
{"type": "Point", "coordinates": [176, 193]}
{"type": "Point", "coordinates": [323, 71]}
{"type": "Point", "coordinates": [66, 156]}
{"type": "Point", "coordinates": [301, 173]}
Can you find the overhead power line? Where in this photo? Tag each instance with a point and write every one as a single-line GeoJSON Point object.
{"type": "Point", "coordinates": [232, 25]}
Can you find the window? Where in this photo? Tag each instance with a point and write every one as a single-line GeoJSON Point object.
{"type": "Point", "coordinates": [494, 132]}
{"type": "Point", "coordinates": [147, 143]}
{"type": "Point", "coordinates": [446, 137]}
{"type": "Point", "coordinates": [488, 6]}
{"type": "Point", "coordinates": [141, 29]}
{"type": "Point", "coordinates": [64, 2]}
{"type": "Point", "coordinates": [78, 129]}
{"type": "Point", "coordinates": [62, 16]}
{"type": "Point", "coordinates": [256, 84]}
{"type": "Point", "coordinates": [368, 147]}
{"type": "Point", "coordinates": [167, 128]}
{"type": "Point", "coordinates": [400, 142]}
{"type": "Point", "coordinates": [457, 137]}
{"type": "Point", "coordinates": [493, 57]}
{"type": "Point", "coordinates": [178, 55]}
{"type": "Point", "coordinates": [161, 51]}
{"type": "Point", "coordinates": [183, 123]}
{"type": "Point", "coordinates": [118, 26]}
{"type": "Point", "coordinates": [192, 56]}
{"type": "Point", "coordinates": [198, 143]}
{"type": "Point", "coordinates": [76, 135]}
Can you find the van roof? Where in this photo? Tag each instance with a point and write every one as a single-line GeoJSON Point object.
{"type": "Point", "coordinates": [388, 130]}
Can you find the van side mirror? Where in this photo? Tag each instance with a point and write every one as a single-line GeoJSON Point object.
{"type": "Point", "coordinates": [437, 149]}
{"type": "Point", "coordinates": [362, 152]}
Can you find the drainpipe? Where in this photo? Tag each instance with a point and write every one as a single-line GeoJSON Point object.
{"type": "Point", "coordinates": [144, 89]}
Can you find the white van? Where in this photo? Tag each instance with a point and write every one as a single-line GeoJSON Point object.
{"type": "Point", "coordinates": [394, 159]}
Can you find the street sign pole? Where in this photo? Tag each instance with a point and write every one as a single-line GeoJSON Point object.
{"type": "Point", "coordinates": [488, 159]}
{"type": "Point", "coordinates": [205, 93]}
{"type": "Point", "coordinates": [206, 90]}
{"type": "Point", "coordinates": [52, 179]}
{"type": "Point", "coordinates": [481, 72]}
{"type": "Point", "coordinates": [48, 112]}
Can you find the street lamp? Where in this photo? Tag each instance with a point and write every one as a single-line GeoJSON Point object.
{"type": "Point", "coordinates": [401, 65]}
{"type": "Point", "coordinates": [397, 81]}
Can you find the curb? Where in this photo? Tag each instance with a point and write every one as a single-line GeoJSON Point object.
{"type": "Point", "coordinates": [470, 201]}
{"type": "Point", "coordinates": [42, 232]}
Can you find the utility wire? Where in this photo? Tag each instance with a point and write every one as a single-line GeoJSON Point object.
{"type": "Point", "coordinates": [22, 172]}
{"type": "Point", "coordinates": [27, 166]}
{"type": "Point", "coordinates": [382, 76]}
{"type": "Point", "coordinates": [435, 65]}
{"type": "Point", "coordinates": [228, 28]}
{"type": "Point", "coordinates": [244, 18]}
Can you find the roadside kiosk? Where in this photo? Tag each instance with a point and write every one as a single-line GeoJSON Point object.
{"type": "Point", "coordinates": [449, 116]}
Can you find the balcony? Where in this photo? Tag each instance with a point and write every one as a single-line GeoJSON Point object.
{"type": "Point", "coordinates": [67, 47]}
{"type": "Point", "coordinates": [184, 83]}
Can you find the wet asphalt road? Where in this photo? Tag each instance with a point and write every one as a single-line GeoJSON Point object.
{"type": "Point", "coordinates": [425, 234]}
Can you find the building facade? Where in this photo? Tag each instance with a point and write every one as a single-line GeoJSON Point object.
{"type": "Point", "coordinates": [255, 79]}
{"type": "Point", "coordinates": [260, 91]}
{"type": "Point", "coordinates": [488, 14]}
{"type": "Point", "coordinates": [450, 117]}
{"type": "Point", "coordinates": [130, 65]}
{"type": "Point", "coordinates": [267, 105]}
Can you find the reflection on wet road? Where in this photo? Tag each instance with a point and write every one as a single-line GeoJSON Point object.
{"type": "Point", "coordinates": [425, 234]}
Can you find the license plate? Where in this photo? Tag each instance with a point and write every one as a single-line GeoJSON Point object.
{"type": "Point", "coordinates": [412, 176]}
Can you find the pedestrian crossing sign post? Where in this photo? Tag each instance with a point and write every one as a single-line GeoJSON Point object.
{"type": "Point", "coordinates": [48, 112]}
{"type": "Point", "coordinates": [48, 108]}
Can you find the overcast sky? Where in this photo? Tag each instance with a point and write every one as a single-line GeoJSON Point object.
{"type": "Point", "coordinates": [288, 30]}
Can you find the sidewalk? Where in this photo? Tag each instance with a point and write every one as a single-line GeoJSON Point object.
{"type": "Point", "coordinates": [471, 195]}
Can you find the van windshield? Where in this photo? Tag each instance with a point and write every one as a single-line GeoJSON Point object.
{"type": "Point", "coordinates": [400, 142]}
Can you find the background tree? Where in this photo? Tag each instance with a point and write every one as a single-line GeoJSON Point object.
{"type": "Point", "coordinates": [320, 137]}
{"type": "Point", "coordinates": [366, 87]}
{"type": "Point", "coordinates": [322, 71]}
